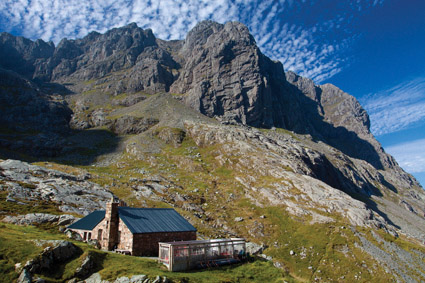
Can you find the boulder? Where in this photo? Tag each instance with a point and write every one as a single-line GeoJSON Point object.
{"type": "Point", "coordinates": [59, 252]}
{"type": "Point", "coordinates": [254, 249]}
{"type": "Point", "coordinates": [127, 125]}
{"type": "Point", "coordinates": [86, 267]}
{"type": "Point", "coordinates": [67, 219]}
{"type": "Point", "coordinates": [138, 278]}
{"type": "Point", "coordinates": [95, 278]}
{"type": "Point", "coordinates": [94, 242]}
{"type": "Point", "coordinates": [122, 279]}
{"type": "Point", "coordinates": [171, 136]}
{"type": "Point", "coordinates": [73, 235]}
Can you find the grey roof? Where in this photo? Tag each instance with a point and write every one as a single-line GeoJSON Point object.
{"type": "Point", "coordinates": [153, 220]}
{"type": "Point", "coordinates": [90, 221]}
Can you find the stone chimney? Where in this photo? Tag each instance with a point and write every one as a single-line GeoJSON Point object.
{"type": "Point", "coordinates": [111, 217]}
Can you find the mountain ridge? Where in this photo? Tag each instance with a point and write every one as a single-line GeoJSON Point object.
{"type": "Point", "coordinates": [249, 100]}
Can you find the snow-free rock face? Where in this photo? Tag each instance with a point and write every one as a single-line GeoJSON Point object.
{"type": "Point", "coordinates": [218, 70]}
{"type": "Point", "coordinates": [349, 121]}
{"type": "Point", "coordinates": [225, 75]}
{"type": "Point", "coordinates": [224, 72]}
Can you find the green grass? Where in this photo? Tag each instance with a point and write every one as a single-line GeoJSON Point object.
{"type": "Point", "coordinates": [324, 251]}
{"type": "Point", "coordinates": [318, 249]}
{"type": "Point", "coordinates": [16, 246]}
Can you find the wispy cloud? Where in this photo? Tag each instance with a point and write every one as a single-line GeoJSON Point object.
{"type": "Point", "coordinates": [410, 155]}
{"type": "Point", "coordinates": [303, 49]}
{"type": "Point", "coordinates": [397, 108]}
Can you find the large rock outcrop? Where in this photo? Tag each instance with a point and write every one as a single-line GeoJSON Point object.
{"type": "Point", "coordinates": [73, 194]}
{"type": "Point", "coordinates": [225, 72]}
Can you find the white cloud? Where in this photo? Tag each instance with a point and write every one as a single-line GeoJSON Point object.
{"type": "Point", "coordinates": [397, 108]}
{"type": "Point", "coordinates": [410, 155]}
{"type": "Point", "coordinates": [301, 49]}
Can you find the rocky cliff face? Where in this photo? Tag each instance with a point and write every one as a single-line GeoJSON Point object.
{"type": "Point", "coordinates": [218, 68]}
{"type": "Point", "coordinates": [218, 123]}
{"type": "Point", "coordinates": [225, 74]}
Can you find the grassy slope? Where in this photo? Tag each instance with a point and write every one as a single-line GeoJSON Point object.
{"type": "Point", "coordinates": [323, 251]}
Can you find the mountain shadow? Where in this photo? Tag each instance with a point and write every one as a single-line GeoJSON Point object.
{"type": "Point", "coordinates": [301, 115]}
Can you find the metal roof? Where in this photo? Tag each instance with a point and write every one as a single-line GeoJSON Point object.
{"type": "Point", "coordinates": [90, 221]}
{"type": "Point", "coordinates": [153, 220]}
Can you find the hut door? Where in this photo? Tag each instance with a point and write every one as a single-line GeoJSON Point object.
{"type": "Point", "coordinates": [99, 235]}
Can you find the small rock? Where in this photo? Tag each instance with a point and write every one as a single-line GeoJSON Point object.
{"type": "Point", "coordinates": [238, 219]}
{"type": "Point", "coordinates": [278, 265]}
{"type": "Point", "coordinates": [122, 279]}
{"type": "Point", "coordinates": [9, 199]}
{"type": "Point", "coordinates": [262, 216]}
{"type": "Point", "coordinates": [138, 278]}
{"type": "Point", "coordinates": [94, 278]}
{"type": "Point", "coordinates": [25, 277]}
{"type": "Point", "coordinates": [253, 248]}
{"type": "Point", "coordinates": [18, 267]}
{"type": "Point", "coordinates": [291, 252]}
{"type": "Point", "coordinates": [67, 219]}
{"type": "Point", "coordinates": [266, 257]}
{"type": "Point", "coordinates": [94, 242]}
{"type": "Point", "coordinates": [157, 279]}
{"type": "Point", "coordinates": [73, 235]}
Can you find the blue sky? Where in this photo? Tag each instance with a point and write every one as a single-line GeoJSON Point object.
{"type": "Point", "coordinates": [372, 49]}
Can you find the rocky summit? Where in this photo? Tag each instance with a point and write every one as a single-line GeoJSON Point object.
{"type": "Point", "coordinates": [214, 128]}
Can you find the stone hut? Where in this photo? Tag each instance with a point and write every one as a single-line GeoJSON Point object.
{"type": "Point", "coordinates": [135, 231]}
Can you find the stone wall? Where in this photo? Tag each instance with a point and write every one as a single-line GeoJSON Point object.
{"type": "Point", "coordinates": [103, 240]}
{"type": "Point", "coordinates": [112, 221]}
{"type": "Point", "coordinates": [125, 240]}
{"type": "Point", "coordinates": [147, 244]}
